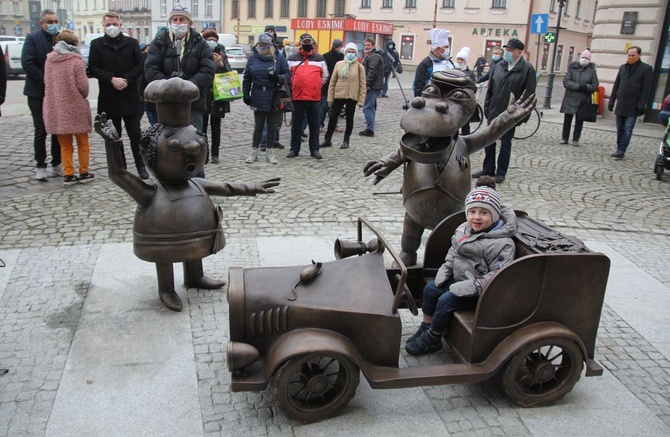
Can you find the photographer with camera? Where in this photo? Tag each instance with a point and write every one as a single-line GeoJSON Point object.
{"type": "Point", "coordinates": [182, 52]}
{"type": "Point", "coordinates": [391, 64]}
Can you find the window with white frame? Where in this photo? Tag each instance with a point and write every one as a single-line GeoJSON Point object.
{"type": "Point", "coordinates": [339, 8]}
{"type": "Point", "coordinates": [284, 9]}
{"type": "Point", "coordinates": [366, 4]}
{"type": "Point", "coordinates": [499, 4]}
{"type": "Point", "coordinates": [302, 8]}
{"type": "Point", "coordinates": [387, 3]}
{"type": "Point", "coordinates": [15, 8]}
{"type": "Point", "coordinates": [450, 4]}
{"type": "Point", "coordinates": [208, 8]}
{"type": "Point", "coordinates": [195, 6]}
{"type": "Point", "coordinates": [163, 8]}
{"type": "Point", "coordinates": [410, 4]}
{"type": "Point", "coordinates": [321, 8]}
{"type": "Point", "coordinates": [235, 9]}
{"type": "Point", "coordinates": [579, 7]}
{"type": "Point", "coordinates": [251, 9]}
{"type": "Point", "coordinates": [269, 6]}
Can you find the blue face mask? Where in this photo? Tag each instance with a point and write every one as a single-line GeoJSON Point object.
{"type": "Point", "coordinates": [351, 56]}
{"type": "Point", "coordinates": [52, 29]}
{"type": "Point", "coordinates": [212, 44]}
{"type": "Point", "coordinates": [508, 57]}
{"type": "Point", "coordinates": [496, 58]}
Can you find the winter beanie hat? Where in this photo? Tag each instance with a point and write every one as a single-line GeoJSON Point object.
{"type": "Point", "coordinates": [463, 53]}
{"type": "Point", "coordinates": [586, 54]}
{"type": "Point", "coordinates": [179, 10]}
{"type": "Point", "coordinates": [484, 197]}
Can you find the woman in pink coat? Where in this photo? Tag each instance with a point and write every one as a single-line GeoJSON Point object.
{"type": "Point", "coordinates": [66, 109]}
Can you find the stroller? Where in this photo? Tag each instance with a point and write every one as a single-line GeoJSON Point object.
{"type": "Point", "coordinates": [663, 159]}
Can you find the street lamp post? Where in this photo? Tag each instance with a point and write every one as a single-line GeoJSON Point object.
{"type": "Point", "coordinates": [552, 74]}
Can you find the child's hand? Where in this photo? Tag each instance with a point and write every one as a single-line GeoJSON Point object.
{"type": "Point", "coordinates": [467, 287]}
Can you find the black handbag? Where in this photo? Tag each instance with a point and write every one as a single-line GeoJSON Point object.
{"type": "Point", "coordinates": [283, 97]}
{"type": "Point", "coordinates": [587, 111]}
{"type": "Point", "coordinates": [399, 68]}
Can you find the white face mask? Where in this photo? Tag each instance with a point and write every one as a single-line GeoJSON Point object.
{"type": "Point", "coordinates": [446, 53]}
{"type": "Point", "coordinates": [584, 62]}
{"type": "Point", "coordinates": [112, 31]}
{"type": "Point", "coordinates": [179, 29]}
{"type": "Point", "coordinates": [460, 65]}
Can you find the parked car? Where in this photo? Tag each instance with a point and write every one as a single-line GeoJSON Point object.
{"type": "Point", "coordinates": [12, 51]}
{"type": "Point", "coordinates": [309, 331]}
{"type": "Point", "coordinates": [236, 57]}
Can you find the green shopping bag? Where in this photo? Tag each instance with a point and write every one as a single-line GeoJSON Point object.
{"type": "Point", "coordinates": [227, 86]}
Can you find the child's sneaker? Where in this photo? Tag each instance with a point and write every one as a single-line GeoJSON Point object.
{"type": "Point", "coordinates": [422, 328]}
{"type": "Point", "coordinates": [85, 178]}
{"type": "Point", "coordinates": [424, 344]}
{"type": "Point", "coordinates": [70, 180]}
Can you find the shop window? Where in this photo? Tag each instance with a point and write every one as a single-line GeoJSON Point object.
{"type": "Point", "coordinates": [571, 55]}
{"type": "Point", "coordinates": [490, 45]}
{"type": "Point", "coordinates": [407, 47]}
{"type": "Point", "coordinates": [559, 58]}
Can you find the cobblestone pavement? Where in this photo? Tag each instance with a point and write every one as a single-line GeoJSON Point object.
{"type": "Point", "coordinates": [58, 231]}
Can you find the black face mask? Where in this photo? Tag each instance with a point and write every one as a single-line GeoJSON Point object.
{"type": "Point", "coordinates": [307, 47]}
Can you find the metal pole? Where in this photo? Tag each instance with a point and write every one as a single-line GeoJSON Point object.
{"type": "Point", "coordinates": [550, 77]}
{"type": "Point", "coordinates": [537, 55]}
{"type": "Point", "coordinates": [435, 16]}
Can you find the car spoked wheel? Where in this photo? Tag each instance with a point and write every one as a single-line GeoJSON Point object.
{"type": "Point", "coordinates": [543, 372]}
{"type": "Point", "coordinates": [314, 387]}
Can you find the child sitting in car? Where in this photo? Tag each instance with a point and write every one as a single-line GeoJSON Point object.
{"type": "Point", "coordinates": [479, 248]}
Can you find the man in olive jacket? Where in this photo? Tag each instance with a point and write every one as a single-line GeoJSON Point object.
{"type": "Point", "coordinates": [631, 91]}
{"type": "Point", "coordinates": [512, 76]}
{"type": "Point", "coordinates": [182, 52]}
{"type": "Point", "coordinates": [117, 62]}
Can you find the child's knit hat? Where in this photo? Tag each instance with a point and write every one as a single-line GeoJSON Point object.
{"type": "Point", "coordinates": [484, 197]}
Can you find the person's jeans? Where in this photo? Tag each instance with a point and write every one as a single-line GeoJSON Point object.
{"type": "Point", "coordinates": [624, 132]}
{"type": "Point", "coordinates": [324, 110]}
{"type": "Point", "coordinates": [567, 121]}
{"type": "Point", "coordinates": [150, 109]}
{"type": "Point", "coordinates": [503, 157]}
{"type": "Point", "coordinates": [134, 132]}
{"type": "Point", "coordinates": [441, 304]}
{"type": "Point", "coordinates": [385, 90]}
{"type": "Point", "coordinates": [305, 109]}
{"type": "Point", "coordinates": [338, 104]}
{"type": "Point", "coordinates": [370, 108]}
{"type": "Point", "coordinates": [39, 141]}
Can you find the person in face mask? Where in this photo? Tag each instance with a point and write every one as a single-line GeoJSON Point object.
{"type": "Point", "coordinates": [391, 63]}
{"type": "Point", "coordinates": [512, 76]}
{"type": "Point", "coordinates": [580, 81]}
{"type": "Point", "coordinates": [308, 73]}
{"type": "Point", "coordinates": [33, 57]}
{"type": "Point", "coordinates": [117, 62]}
{"type": "Point", "coordinates": [180, 51]}
{"type": "Point", "coordinates": [346, 90]}
{"type": "Point", "coordinates": [496, 58]}
{"type": "Point", "coordinates": [462, 64]}
{"type": "Point", "coordinates": [437, 60]}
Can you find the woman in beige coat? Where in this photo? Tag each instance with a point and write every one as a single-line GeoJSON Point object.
{"type": "Point", "coordinates": [347, 88]}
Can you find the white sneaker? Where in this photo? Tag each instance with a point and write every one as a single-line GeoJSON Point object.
{"type": "Point", "coordinates": [56, 171]}
{"type": "Point", "coordinates": [253, 157]}
{"type": "Point", "coordinates": [41, 174]}
{"type": "Point", "coordinates": [270, 157]}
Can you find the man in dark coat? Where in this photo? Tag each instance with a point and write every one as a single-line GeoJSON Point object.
{"type": "Point", "coordinates": [117, 62]}
{"type": "Point", "coordinates": [35, 49]}
{"type": "Point", "coordinates": [374, 79]}
{"type": "Point", "coordinates": [182, 52]}
{"type": "Point", "coordinates": [332, 57]}
{"type": "Point", "coordinates": [391, 62]}
{"type": "Point", "coordinates": [631, 91]}
{"type": "Point", "coordinates": [512, 76]}
{"type": "Point", "coordinates": [480, 63]}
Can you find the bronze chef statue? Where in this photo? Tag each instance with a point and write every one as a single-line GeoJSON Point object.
{"type": "Point", "coordinates": [175, 220]}
{"type": "Point", "coordinates": [437, 176]}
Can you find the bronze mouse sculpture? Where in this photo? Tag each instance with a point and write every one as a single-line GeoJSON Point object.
{"type": "Point", "coordinates": [437, 176]}
{"type": "Point", "coordinates": [175, 220]}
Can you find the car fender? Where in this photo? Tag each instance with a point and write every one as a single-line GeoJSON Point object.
{"type": "Point", "coordinates": [529, 334]}
{"type": "Point", "coordinates": [309, 341]}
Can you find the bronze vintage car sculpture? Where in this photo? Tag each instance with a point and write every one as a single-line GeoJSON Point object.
{"type": "Point", "coordinates": [534, 326]}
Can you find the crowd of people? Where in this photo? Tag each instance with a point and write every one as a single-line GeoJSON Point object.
{"type": "Point", "coordinates": [328, 85]}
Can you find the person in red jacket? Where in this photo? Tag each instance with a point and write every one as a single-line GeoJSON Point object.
{"type": "Point", "coordinates": [308, 73]}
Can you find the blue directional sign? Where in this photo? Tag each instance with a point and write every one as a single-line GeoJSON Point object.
{"type": "Point", "coordinates": [539, 23]}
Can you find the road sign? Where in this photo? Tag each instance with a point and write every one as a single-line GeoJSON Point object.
{"type": "Point", "coordinates": [549, 37]}
{"type": "Point", "coordinates": [539, 23]}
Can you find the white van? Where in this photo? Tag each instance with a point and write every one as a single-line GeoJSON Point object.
{"type": "Point", "coordinates": [13, 51]}
{"type": "Point", "coordinates": [90, 37]}
{"type": "Point", "coordinates": [227, 39]}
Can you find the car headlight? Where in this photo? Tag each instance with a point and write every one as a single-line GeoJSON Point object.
{"type": "Point", "coordinates": [239, 355]}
